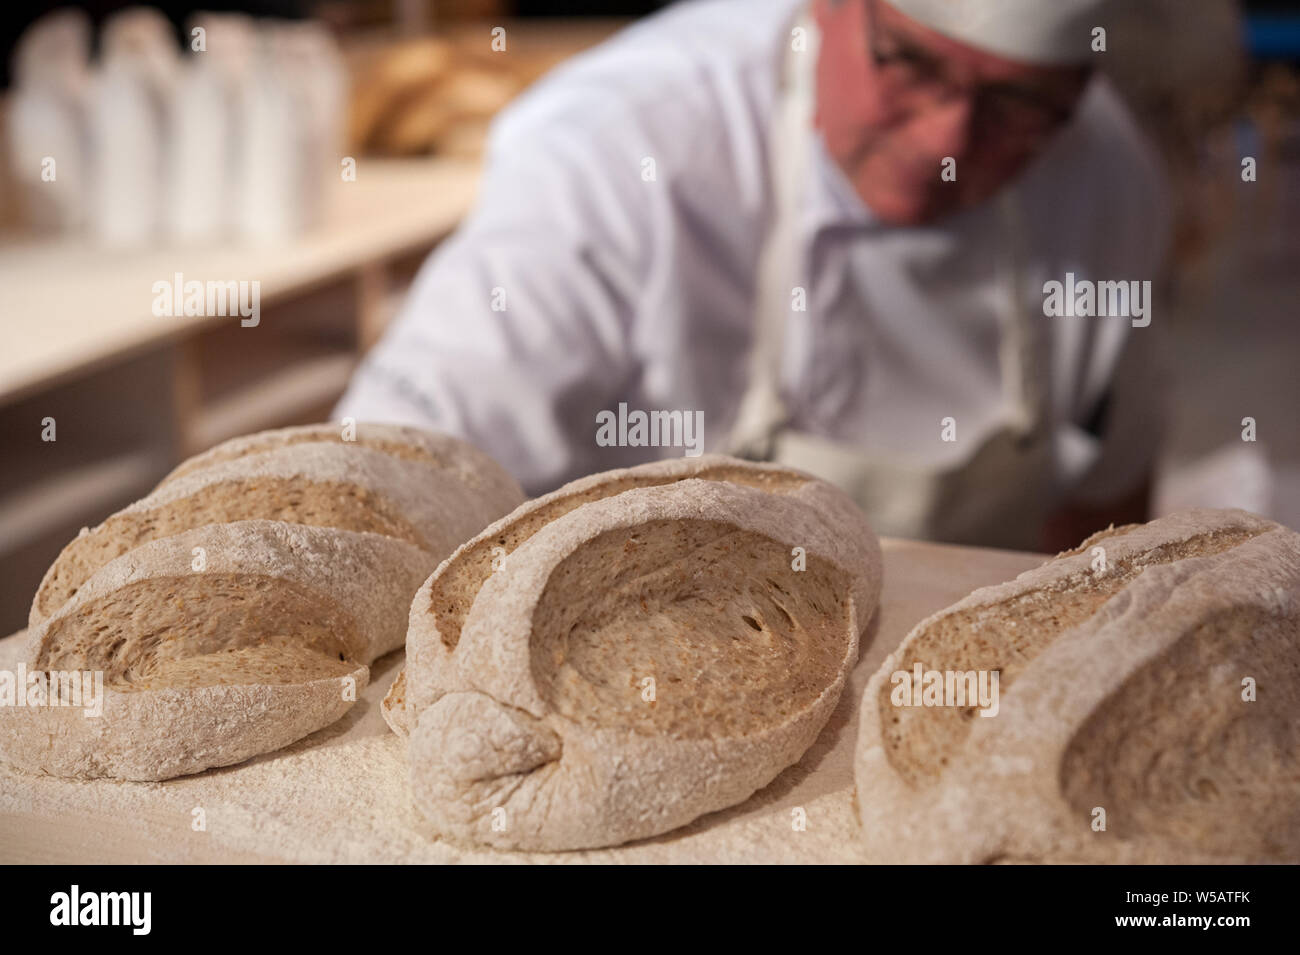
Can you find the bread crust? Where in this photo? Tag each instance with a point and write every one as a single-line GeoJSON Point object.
{"type": "Point", "coordinates": [472, 466]}
{"type": "Point", "coordinates": [152, 735]}
{"type": "Point", "coordinates": [1137, 710]}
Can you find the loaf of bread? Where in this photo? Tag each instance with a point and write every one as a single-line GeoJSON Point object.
{"type": "Point", "coordinates": [431, 491]}
{"type": "Point", "coordinates": [418, 92]}
{"type": "Point", "coordinates": [1146, 708]}
{"type": "Point", "coordinates": [632, 651]}
{"type": "Point", "coordinates": [237, 607]}
{"type": "Point", "coordinates": [391, 79]}
{"type": "Point", "coordinates": [215, 644]}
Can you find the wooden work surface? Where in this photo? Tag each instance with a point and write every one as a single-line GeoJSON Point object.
{"type": "Point", "coordinates": [340, 795]}
{"type": "Point", "coordinates": [68, 304]}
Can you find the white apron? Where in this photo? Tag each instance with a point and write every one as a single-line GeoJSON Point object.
{"type": "Point", "coordinates": [999, 491]}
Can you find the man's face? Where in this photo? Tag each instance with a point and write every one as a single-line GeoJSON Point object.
{"type": "Point", "coordinates": [894, 99]}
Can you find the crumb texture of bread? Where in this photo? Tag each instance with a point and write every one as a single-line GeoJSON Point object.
{"type": "Point", "coordinates": [140, 631]}
{"type": "Point", "coordinates": [645, 650]}
{"type": "Point", "coordinates": [1123, 732]}
{"type": "Point", "coordinates": [713, 614]}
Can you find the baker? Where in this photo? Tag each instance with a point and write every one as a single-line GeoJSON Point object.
{"type": "Point", "coordinates": [828, 228]}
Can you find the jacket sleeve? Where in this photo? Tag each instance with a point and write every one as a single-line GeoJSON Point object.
{"type": "Point", "coordinates": [517, 330]}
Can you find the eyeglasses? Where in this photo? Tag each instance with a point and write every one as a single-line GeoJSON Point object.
{"type": "Point", "coordinates": [1010, 104]}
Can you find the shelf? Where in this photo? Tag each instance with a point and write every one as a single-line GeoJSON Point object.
{"type": "Point", "coordinates": [68, 306]}
{"type": "Point", "coordinates": [133, 393]}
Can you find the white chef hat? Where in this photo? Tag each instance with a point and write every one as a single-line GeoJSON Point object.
{"type": "Point", "coordinates": [1029, 31]}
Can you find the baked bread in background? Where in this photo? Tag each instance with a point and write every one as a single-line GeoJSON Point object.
{"type": "Point", "coordinates": [1127, 668]}
{"type": "Point", "coordinates": [231, 609]}
{"type": "Point", "coordinates": [423, 92]}
{"type": "Point", "coordinates": [631, 651]}
{"type": "Point", "coordinates": [399, 75]}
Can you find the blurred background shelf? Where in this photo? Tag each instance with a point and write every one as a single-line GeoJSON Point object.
{"type": "Point", "coordinates": [132, 393]}
{"type": "Point", "coordinates": [67, 305]}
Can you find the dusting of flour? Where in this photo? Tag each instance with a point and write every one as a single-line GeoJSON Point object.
{"type": "Point", "coordinates": [340, 795]}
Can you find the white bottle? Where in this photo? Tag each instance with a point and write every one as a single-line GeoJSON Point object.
{"type": "Point", "coordinates": [272, 157]}
{"type": "Point", "coordinates": [46, 121]}
{"type": "Point", "coordinates": [127, 122]}
{"type": "Point", "coordinates": [126, 144]}
{"type": "Point", "coordinates": [199, 130]}
{"type": "Point", "coordinates": [293, 107]}
{"type": "Point", "coordinates": [315, 72]}
{"type": "Point", "coordinates": [204, 128]}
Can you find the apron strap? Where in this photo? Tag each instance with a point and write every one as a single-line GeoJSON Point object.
{"type": "Point", "coordinates": [762, 411]}
{"type": "Point", "coordinates": [1022, 387]}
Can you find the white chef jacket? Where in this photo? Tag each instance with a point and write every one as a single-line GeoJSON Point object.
{"type": "Point", "coordinates": [581, 281]}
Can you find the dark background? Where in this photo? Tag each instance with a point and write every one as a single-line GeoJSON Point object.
{"type": "Point", "coordinates": [14, 17]}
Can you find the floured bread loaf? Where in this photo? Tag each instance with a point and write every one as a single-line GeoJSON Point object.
{"type": "Point", "coordinates": [1147, 683]}
{"type": "Point", "coordinates": [431, 491]}
{"type": "Point", "coordinates": [215, 644]}
{"type": "Point", "coordinates": [632, 651]}
{"type": "Point", "coordinates": [470, 465]}
{"type": "Point", "coordinates": [438, 613]}
{"type": "Point", "coordinates": [223, 610]}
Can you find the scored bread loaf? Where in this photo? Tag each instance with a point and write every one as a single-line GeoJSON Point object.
{"type": "Point", "coordinates": [432, 491]}
{"type": "Point", "coordinates": [438, 612]}
{"type": "Point", "coordinates": [215, 644]}
{"type": "Point", "coordinates": [1127, 726]}
{"type": "Point", "coordinates": [632, 651]}
{"type": "Point", "coordinates": [212, 605]}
